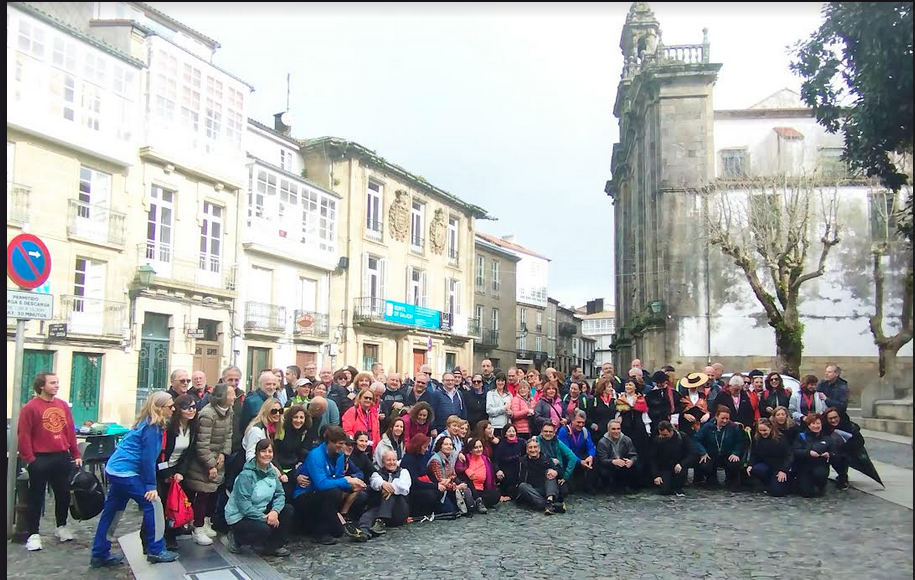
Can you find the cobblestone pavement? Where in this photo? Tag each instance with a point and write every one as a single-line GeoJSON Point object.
{"type": "Point", "coordinates": [898, 454]}
{"type": "Point", "coordinates": [712, 535]}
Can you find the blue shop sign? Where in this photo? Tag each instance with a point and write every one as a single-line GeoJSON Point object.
{"type": "Point", "coordinates": [411, 315]}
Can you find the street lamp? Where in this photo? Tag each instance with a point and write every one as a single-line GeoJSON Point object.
{"type": "Point", "coordinates": [523, 330]}
{"type": "Point", "coordinates": [145, 276]}
{"type": "Point", "coordinates": [656, 307]}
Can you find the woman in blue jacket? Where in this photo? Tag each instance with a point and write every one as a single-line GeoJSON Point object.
{"type": "Point", "coordinates": [257, 512]}
{"type": "Point", "coordinates": [132, 475]}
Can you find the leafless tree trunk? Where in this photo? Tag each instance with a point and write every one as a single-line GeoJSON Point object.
{"type": "Point", "coordinates": [765, 226]}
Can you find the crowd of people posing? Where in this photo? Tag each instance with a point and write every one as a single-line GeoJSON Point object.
{"type": "Point", "coordinates": [351, 453]}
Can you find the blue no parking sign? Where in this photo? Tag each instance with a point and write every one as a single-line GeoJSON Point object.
{"type": "Point", "coordinates": [28, 262]}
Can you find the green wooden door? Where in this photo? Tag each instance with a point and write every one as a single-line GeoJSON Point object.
{"type": "Point", "coordinates": [153, 368]}
{"type": "Point", "coordinates": [34, 362]}
{"type": "Point", "coordinates": [258, 360]}
{"type": "Point", "coordinates": [85, 380]}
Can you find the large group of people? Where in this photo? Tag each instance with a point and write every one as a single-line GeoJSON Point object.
{"type": "Point", "coordinates": [351, 453]}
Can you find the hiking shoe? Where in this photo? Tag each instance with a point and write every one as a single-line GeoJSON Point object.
{"type": "Point", "coordinates": [111, 560]}
{"type": "Point", "coordinates": [359, 536]}
{"type": "Point", "coordinates": [378, 527]}
{"type": "Point", "coordinates": [560, 507]}
{"type": "Point", "coordinates": [163, 557]}
{"type": "Point", "coordinates": [326, 540]}
{"type": "Point", "coordinates": [63, 534]}
{"type": "Point", "coordinates": [351, 530]}
{"type": "Point", "coordinates": [480, 506]}
{"type": "Point", "coordinates": [200, 536]}
{"type": "Point", "coordinates": [280, 552]}
{"type": "Point", "coordinates": [33, 544]}
{"type": "Point", "coordinates": [234, 547]}
{"type": "Point", "coordinates": [550, 509]}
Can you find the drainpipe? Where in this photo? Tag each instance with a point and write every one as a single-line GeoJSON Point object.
{"type": "Point", "coordinates": [708, 295]}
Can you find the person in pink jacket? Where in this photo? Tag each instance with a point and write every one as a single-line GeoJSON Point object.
{"type": "Point", "coordinates": [363, 416]}
{"type": "Point", "coordinates": [522, 410]}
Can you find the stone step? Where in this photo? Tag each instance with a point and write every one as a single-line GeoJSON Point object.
{"type": "Point", "coordinates": [854, 412]}
{"type": "Point", "coordinates": [900, 410]}
{"type": "Point", "coordinates": [893, 426]}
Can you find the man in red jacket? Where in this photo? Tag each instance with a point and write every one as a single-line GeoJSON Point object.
{"type": "Point", "coordinates": [47, 441]}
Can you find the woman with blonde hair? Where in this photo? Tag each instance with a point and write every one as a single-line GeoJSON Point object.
{"type": "Point", "coordinates": [363, 416]}
{"type": "Point", "coordinates": [784, 424]}
{"type": "Point", "coordinates": [267, 424]}
{"type": "Point", "coordinates": [363, 381]}
{"type": "Point", "coordinates": [522, 411]}
{"type": "Point", "coordinates": [131, 474]}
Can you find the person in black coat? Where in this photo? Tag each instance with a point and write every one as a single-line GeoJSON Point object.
{"type": "Point", "coordinates": [834, 422]}
{"type": "Point", "coordinates": [424, 494]}
{"type": "Point", "coordinates": [672, 455]}
{"type": "Point", "coordinates": [603, 408]}
{"type": "Point", "coordinates": [663, 401]}
{"type": "Point", "coordinates": [507, 461]}
{"type": "Point", "coordinates": [743, 412]}
{"type": "Point", "coordinates": [475, 401]}
{"type": "Point", "coordinates": [775, 395]}
{"type": "Point", "coordinates": [770, 459]}
{"type": "Point", "coordinates": [291, 450]}
{"type": "Point", "coordinates": [813, 450]}
{"type": "Point", "coordinates": [539, 482]}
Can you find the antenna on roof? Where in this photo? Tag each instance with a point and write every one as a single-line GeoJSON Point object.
{"type": "Point", "coordinates": [282, 122]}
{"type": "Point", "coordinates": [288, 85]}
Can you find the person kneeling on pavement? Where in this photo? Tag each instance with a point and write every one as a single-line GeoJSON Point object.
{"type": "Point", "coordinates": [617, 459]}
{"type": "Point", "coordinates": [813, 452]}
{"type": "Point", "coordinates": [721, 444]}
{"type": "Point", "coordinates": [564, 461]}
{"type": "Point", "coordinates": [539, 482]}
{"type": "Point", "coordinates": [672, 454]}
{"type": "Point", "coordinates": [257, 512]}
{"type": "Point", "coordinates": [320, 501]}
{"type": "Point", "coordinates": [390, 506]}
{"type": "Point", "coordinates": [576, 437]}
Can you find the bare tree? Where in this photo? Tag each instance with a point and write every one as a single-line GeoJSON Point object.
{"type": "Point", "coordinates": [766, 226]}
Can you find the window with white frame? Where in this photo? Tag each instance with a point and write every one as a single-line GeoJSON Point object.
{"type": "Point", "coordinates": [31, 38]}
{"type": "Point", "coordinates": [286, 159]}
{"type": "Point", "coordinates": [478, 315]}
{"type": "Point", "coordinates": [64, 55]}
{"type": "Point", "coordinates": [523, 316]}
{"type": "Point", "coordinates": [289, 199]}
{"type": "Point", "coordinates": [94, 192]}
{"type": "Point", "coordinates": [496, 279]}
{"type": "Point", "coordinates": [481, 273]}
{"type": "Point", "coordinates": [159, 225]}
{"type": "Point", "coordinates": [373, 210]}
{"type": "Point", "coordinates": [190, 98]}
{"type": "Point", "coordinates": [327, 233]}
{"type": "Point", "coordinates": [92, 106]}
{"type": "Point", "coordinates": [538, 343]}
{"type": "Point", "coordinates": [522, 342]}
{"type": "Point", "coordinates": [166, 87]}
{"type": "Point", "coordinates": [235, 117]}
{"type": "Point", "coordinates": [453, 239]}
{"type": "Point", "coordinates": [211, 237]}
{"type": "Point", "coordinates": [416, 287]}
{"type": "Point", "coordinates": [373, 281]}
{"type": "Point", "coordinates": [453, 296]}
{"type": "Point", "coordinates": [95, 69]}
{"type": "Point", "coordinates": [309, 216]}
{"type": "Point", "coordinates": [539, 322]}
{"type": "Point", "coordinates": [494, 320]}
{"type": "Point", "coordinates": [213, 120]}
{"type": "Point", "coordinates": [307, 298]}
{"type": "Point", "coordinates": [417, 213]}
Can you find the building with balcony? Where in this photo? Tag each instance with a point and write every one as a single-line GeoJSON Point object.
{"type": "Point", "coordinates": [679, 299]}
{"type": "Point", "coordinates": [290, 248]}
{"type": "Point", "coordinates": [531, 282]}
{"type": "Point", "coordinates": [73, 126]}
{"type": "Point", "coordinates": [402, 287]}
{"type": "Point", "coordinates": [494, 323]}
{"type": "Point", "coordinates": [599, 323]}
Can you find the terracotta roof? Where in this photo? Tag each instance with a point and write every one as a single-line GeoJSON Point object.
{"type": "Point", "coordinates": [510, 245]}
{"type": "Point", "coordinates": [789, 133]}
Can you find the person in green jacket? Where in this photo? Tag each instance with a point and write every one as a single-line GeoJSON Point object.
{"type": "Point", "coordinates": [560, 454]}
{"type": "Point", "coordinates": [257, 512]}
{"type": "Point", "coordinates": [721, 444]}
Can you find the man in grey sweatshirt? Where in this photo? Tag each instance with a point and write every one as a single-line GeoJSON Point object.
{"type": "Point", "coordinates": [617, 460]}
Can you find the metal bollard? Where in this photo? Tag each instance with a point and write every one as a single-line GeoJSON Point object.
{"type": "Point", "coordinates": [20, 533]}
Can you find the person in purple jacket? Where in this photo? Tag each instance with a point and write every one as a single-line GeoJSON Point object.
{"type": "Point", "coordinates": [327, 488]}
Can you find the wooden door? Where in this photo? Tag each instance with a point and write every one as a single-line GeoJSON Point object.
{"type": "Point", "coordinates": [302, 358]}
{"type": "Point", "coordinates": [206, 359]}
{"type": "Point", "coordinates": [419, 359]}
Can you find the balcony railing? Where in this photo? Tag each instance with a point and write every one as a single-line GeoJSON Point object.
{"type": "Point", "coordinates": [374, 230]}
{"type": "Point", "coordinates": [368, 308]}
{"type": "Point", "coordinates": [310, 323]}
{"type": "Point", "coordinates": [93, 316]}
{"type": "Point", "coordinates": [417, 245]}
{"type": "Point", "coordinates": [684, 53]}
{"type": "Point", "coordinates": [17, 203]}
{"type": "Point", "coordinates": [496, 290]}
{"type": "Point", "coordinates": [474, 329]}
{"type": "Point", "coordinates": [261, 316]}
{"type": "Point", "coordinates": [490, 337]}
{"type": "Point", "coordinates": [96, 223]}
{"type": "Point", "coordinates": [453, 256]}
{"type": "Point", "coordinates": [207, 270]}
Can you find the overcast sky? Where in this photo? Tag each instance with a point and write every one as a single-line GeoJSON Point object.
{"type": "Point", "coordinates": [509, 107]}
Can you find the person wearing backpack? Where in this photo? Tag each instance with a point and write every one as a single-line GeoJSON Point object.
{"type": "Point", "coordinates": [177, 439]}
{"type": "Point", "coordinates": [132, 476]}
{"type": "Point", "coordinates": [47, 442]}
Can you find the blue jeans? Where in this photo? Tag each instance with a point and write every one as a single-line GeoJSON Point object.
{"type": "Point", "coordinates": [120, 490]}
{"type": "Point", "coordinates": [768, 477]}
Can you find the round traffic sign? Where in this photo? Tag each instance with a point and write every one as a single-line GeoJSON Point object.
{"type": "Point", "coordinates": [28, 262]}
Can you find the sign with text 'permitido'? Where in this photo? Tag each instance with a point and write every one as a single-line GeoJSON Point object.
{"type": "Point", "coordinates": [29, 305]}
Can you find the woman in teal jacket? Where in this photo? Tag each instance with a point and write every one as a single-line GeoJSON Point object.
{"type": "Point", "coordinates": [721, 444]}
{"type": "Point", "coordinates": [257, 512]}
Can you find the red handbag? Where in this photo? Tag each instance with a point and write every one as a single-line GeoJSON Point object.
{"type": "Point", "coordinates": [178, 511]}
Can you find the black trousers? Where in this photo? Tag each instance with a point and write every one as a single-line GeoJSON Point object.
{"type": "Point", "coordinates": [318, 511]}
{"type": "Point", "coordinates": [54, 469]}
{"type": "Point", "coordinates": [812, 478]}
{"type": "Point", "coordinates": [709, 470]}
{"type": "Point", "coordinates": [537, 496]}
{"type": "Point", "coordinates": [258, 533]}
{"type": "Point", "coordinates": [840, 463]}
{"type": "Point", "coordinates": [424, 502]}
{"type": "Point", "coordinates": [509, 484]}
{"type": "Point", "coordinates": [671, 482]}
{"type": "Point", "coordinates": [616, 478]}
{"type": "Point", "coordinates": [583, 479]}
{"type": "Point", "coordinates": [393, 511]}
{"type": "Point", "coordinates": [490, 497]}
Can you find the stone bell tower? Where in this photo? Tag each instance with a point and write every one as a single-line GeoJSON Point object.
{"type": "Point", "coordinates": [662, 162]}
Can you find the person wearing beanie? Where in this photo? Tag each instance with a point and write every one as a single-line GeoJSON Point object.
{"type": "Point", "coordinates": [663, 403]}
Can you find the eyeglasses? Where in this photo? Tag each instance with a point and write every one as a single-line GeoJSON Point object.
{"type": "Point", "coordinates": [275, 411]}
{"type": "Point", "coordinates": [185, 381]}
{"type": "Point", "coordinates": [477, 382]}
{"type": "Point", "coordinates": [171, 406]}
{"type": "Point", "coordinates": [420, 384]}
{"type": "Point", "coordinates": [369, 399]}
{"type": "Point", "coordinates": [773, 380]}
{"type": "Point", "coordinates": [188, 407]}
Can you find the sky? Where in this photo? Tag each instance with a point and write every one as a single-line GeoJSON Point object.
{"type": "Point", "coordinates": [507, 106]}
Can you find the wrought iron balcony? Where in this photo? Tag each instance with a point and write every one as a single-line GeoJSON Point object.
{"type": "Point", "coordinates": [374, 230]}
{"type": "Point", "coordinates": [205, 271]}
{"type": "Point", "coordinates": [453, 256]}
{"type": "Point", "coordinates": [490, 337]}
{"type": "Point", "coordinates": [473, 329]}
{"type": "Point", "coordinates": [368, 308]}
{"type": "Point", "coordinates": [310, 323]}
{"type": "Point", "coordinates": [17, 203]}
{"type": "Point", "coordinates": [417, 245]}
{"type": "Point", "coordinates": [267, 317]}
{"type": "Point", "coordinates": [93, 316]}
{"type": "Point", "coordinates": [96, 223]}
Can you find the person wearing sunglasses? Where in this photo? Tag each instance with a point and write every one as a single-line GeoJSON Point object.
{"type": "Point", "coordinates": [475, 399]}
{"type": "Point", "coordinates": [180, 382]}
{"type": "Point", "coordinates": [774, 396]}
{"type": "Point", "coordinates": [363, 416]}
{"type": "Point", "coordinates": [268, 424]}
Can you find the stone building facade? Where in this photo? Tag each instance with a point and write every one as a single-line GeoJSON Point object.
{"type": "Point", "coordinates": [494, 325]}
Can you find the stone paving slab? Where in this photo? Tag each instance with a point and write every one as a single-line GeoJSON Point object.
{"type": "Point", "coordinates": [898, 482]}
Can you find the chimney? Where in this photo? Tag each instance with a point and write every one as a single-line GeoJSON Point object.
{"type": "Point", "coordinates": [509, 238]}
{"type": "Point", "coordinates": [282, 123]}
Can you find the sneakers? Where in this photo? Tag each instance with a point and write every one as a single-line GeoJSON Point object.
{"type": "Point", "coordinates": [550, 509]}
{"type": "Point", "coordinates": [200, 536]}
{"type": "Point", "coordinates": [63, 534]}
{"type": "Point", "coordinates": [560, 507]}
{"type": "Point", "coordinates": [378, 527]}
{"type": "Point", "coordinates": [842, 483]}
{"type": "Point", "coordinates": [358, 536]}
{"type": "Point", "coordinates": [680, 494]}
{"type": "Point", "coordinates": [111, 560]}
{"type": "Point", "coordinates": [208, 528]}
{"type": "Point", "coordinates": [280, 552]}
{"type": "Point", "coordinates": [326, 541]}
{"type": "Point", "coordinates": [350, 529]}
{"type": "Point", "coordinates": [33, 544]}
{"type": "Point", "coordinates": [163, 557]}
{"type": "Point", "coordinates": [233, 545]}
{"type": "Point", "coordinates": [480, 506]}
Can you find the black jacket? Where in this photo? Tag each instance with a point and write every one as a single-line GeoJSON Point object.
{"type": "Point", "coordinates": [743, 414]}
{"type": "Point", "coordinates": [774, 398]}
{"type": "Point", "coordinates": [386, 405]}
{"type": "Point", "coordinates": [776, 454]}
{"type": "Point", "coordinates": [292, 448]}
{"type": "Point", "coordinates": [416, 465]}
{"type": "Point", "coordinates": [658, 402]}
{"type": "Point", "coordinates": [507, 455]}
{"type": "Point", "coordinates": [807, 442]}
{"type": "Point", "coordinates": [666, 454]}
{"type": "Point", "coordinates": [600, 414]}
{"type": "Point", "coordinates": [836, 394]}
{"type": "Point", "coordinates": [476, 407]}
{"type": "Point", "coordinates": [340, 396]}
{"type": "Point", "coordinates": [363, 462]}
{"type": "Point", "coordinates": [166, 453]}
{"type": "Point", "coordinates": [533, 471]}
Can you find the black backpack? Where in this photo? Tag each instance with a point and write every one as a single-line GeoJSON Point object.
{"type": "Point", "coordinates": [87, 496]}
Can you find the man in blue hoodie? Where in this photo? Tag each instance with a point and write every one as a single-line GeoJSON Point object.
{"type": "Point", "coordinates": [327, 488]}
{"type": "Point", "coordinates": [577, 438]}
